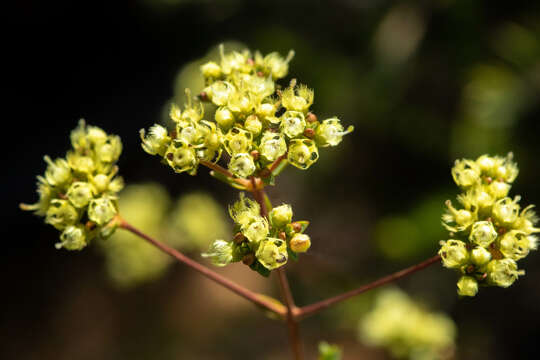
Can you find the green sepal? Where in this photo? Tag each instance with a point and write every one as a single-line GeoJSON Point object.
{"type": "Point", "coordinates": [292, 254]}
{"type": "Point", "coordinates": [258, 267]}
{"type": "Point", "coordinates": [282, 165]}
{"type": "Point", "coordinates": [304, 224]}
{"type": "Point", "coordinates": [267, 202]}
{"type": "Point", "coordinates": [289, 230]}
{"type": "Point", "coordinates": [269, 180]}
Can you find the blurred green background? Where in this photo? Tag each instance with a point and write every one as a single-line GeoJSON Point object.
{"type": "Point", "coordinates": [424, 83]}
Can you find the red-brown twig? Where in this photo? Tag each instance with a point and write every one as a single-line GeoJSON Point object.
{"type": "Point", "coordinates": [212, 275]}
{"type": "Point", "coordinates": [308, 310]}
{"type": "Point", "coordinates": [292, 321]}
{"type": "Point", "coordinates": [227, 173]}
{"type": "Point", "coordinates": [276, 163]}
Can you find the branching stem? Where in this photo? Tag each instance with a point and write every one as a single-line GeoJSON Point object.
{"type": "Point", "coordinates": [217, 168]}
{"type": "Point", "coordinates": [309, 310]}
{"type": "Point", "coordinates": [292, 320]}
{"type": "Point", "coordinates": [212, 275]}
{"type": "Point", "coordinates": [290, 312]}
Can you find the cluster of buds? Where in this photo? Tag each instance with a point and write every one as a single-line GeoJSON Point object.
{"type": "Point", "coordinates": [263, 244]}
{"type": "Point", "coordinates": [254, 121]}
{"type": "Point", "coordinates": [490, 232]}
{"type": "Point", "coordinates": [77, 194]}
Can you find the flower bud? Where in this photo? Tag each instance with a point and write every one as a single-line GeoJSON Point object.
{"type": "Point", "coordinates": [248, 259]}
{"type": "Point", "coordinates": [239, 238]}
{"type": "Point", "coordinates": [483, 199]}
{"type": "Point", "coordinates": [266, 110]}
{"type": "Point", "coordinates": [330, 132]}
{"type": "Point", "coordinates": [463, 218]}
{"type": "Point", "coordinates": [526, 221]}
{"type": "Point", "coordinates": [110, 150]}
{"type": "Point", "coordinates": [181, 157]}
{"type": "Point", "coordinates": [506, 210]}
{"type": "Point", "coordinates": [101, 182]}
{"type": "Point", "coordinates": [78, 136]}
{"type": "Point", "coordinates": [297, 98]}
{"type": "Point", "coordinates": [238, 140]}
{"type": "Point", "coordinates": [454, 254]}
{"type": "Point", "coordinates": [253, 125]}
{"type": "Point", "coordinates": [300, 243]}
{"type": "Point", "coordinates": [242, 165]}
{"type": "Point", "coordinates": [486, 164]}
{"type": "Point", "coordinates": [73, 238]}
{"type": "Point", "coordinates": [190, 134]}
{"type": "Point", "coordinates": [507, 171]}
{"type": "Point", "coordinates": [272, 146]}
{"type": "Point", "coordinates": [467, 286]}
{"type": "Point", "coordinates": [116, 184]}
{"type": "Point", "coordinates": [220, 253]}
{"type": "Point", "coordinates": [240, 102]}
{"type": "Point", "coordinates": [220, 92]}
{"type": "Point", "coordinates": [480, 256]}
{"type": "Point", "coordinates": [465, 173]}
{"type": "Point", "coordinates": [80, 193]}
{"type": "Point", "coordinates": [45, 193]}
{"type": "Point", "coordinates": [224, 117]}
{"type": "Point", "coordinates": [257, 230]}
{"type": "Point", "coordinates": [498, 189]}
{"type": "Point", "coordinates": [95, 135]}
{"type": "Point", "coordinates": [515, 245]}
{"type": "Point", "coordinates": [482, 233]}
{"type": "Point", "coordinates": [80, 163]}
{"type": "Point", "coordinates": [293, 123]}
{"type": "Point", "coordinates": [101, 210]}
{"type": "Point", "coordinates": [58, 172]}
{"type": "Point", "coordinates": [157, 140]}
{"type": "Point", "coordinates": [260, 87]}
{"type": "Point", "coordinates": [277, 66]}
{"type": "Point", "coordinates": [302, 153]}
{"type": "Point", "coordinates": [233, 61]}
{"type": "Point", "coordinates": [272, 253]}
{"type": "Point", "coordinates": [281, 215]}
{"type": "Point", "coordinates": [211, 70]}
{"type": "Point", "coordinates": [61, 214]}
{"type": "Point", "coordinates": [503, 272]}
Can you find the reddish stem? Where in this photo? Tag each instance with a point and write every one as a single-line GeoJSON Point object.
{"type": "Point", "coordinates": [309, 310]}
{"type": "Point", "coordinates": [292, 321]}
{"type": "Point", "coordinates": [227, 173]}
{"type": "Point", "coordinates": [210, 274]}
{"type": "Point", "coordinates": [276, 163]}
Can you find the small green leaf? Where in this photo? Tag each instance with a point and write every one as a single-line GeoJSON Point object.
{"type": "Point", "coordinates": [292, 254]}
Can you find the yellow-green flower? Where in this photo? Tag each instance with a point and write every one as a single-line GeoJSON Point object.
{"type": "Point", "coordinates": [80, 187]}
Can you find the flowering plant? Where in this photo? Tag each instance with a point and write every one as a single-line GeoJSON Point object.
{"type": "Point", "coordinates": [246, 119]}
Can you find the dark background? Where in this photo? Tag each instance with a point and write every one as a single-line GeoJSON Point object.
{"type": "Point", "coordinates": [423, 82]}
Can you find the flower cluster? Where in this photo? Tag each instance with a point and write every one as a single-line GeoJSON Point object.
{"type": "Point", "coordinates": [262, 244]}
{"type": "Point", "coordinates": [253, 121]}
{"type": "Point", "coordinates": [490, 232]}
{"type": "Point", "coordinates": [406, 329]}
{"type": "Point", "coordinates": [77, 194]}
